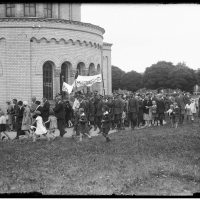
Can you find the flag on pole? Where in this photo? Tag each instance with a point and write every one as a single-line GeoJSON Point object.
{"type": "Point", "coordinates": [67, 88]}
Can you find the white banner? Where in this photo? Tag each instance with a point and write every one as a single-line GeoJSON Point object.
{"type": "Point", "coordinates": [87, 80]}
{"type": "Point", "coordinates": [67, 88]}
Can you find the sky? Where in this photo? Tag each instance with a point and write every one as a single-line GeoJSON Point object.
{"type": "Point", "coordinates": [143, 34]}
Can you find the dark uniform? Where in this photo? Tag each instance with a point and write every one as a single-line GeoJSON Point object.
{"type": "Point", "coordinates": [117, 111]}
{"type": "Point", "coordinates": [110, 105]}
{"type": "Point", "coordinates": [91, 112]}
{"type": "Point", "coordinates": [96, 101]}
{"type": "Point", "coordinates": [99, 113]}
{"type": "Point", "coordinates": [106, 119]}
{"type": "Point", "coordinates": [133, 109]}
{"type": "Point", "coordinates": [60, 115]}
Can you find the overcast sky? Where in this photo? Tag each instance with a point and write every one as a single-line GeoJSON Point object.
{"type": "Point", "coordinates": [143, 34]}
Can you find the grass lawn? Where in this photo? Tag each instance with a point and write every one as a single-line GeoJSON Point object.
{"type": "Point", "coordinates": [151, 161]}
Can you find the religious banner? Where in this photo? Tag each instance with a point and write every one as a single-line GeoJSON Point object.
{"type": "Point", "coordinates": [87, 80]}
{"type": "Point", "coordinates": [67, 88]}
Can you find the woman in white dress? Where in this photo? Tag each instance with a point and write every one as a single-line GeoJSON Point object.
{"type": "Point", "coordinates": [40, 127]}
{"type": "Point", "coordinates": [193, 108]}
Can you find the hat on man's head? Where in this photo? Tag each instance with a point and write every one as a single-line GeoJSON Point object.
{"type": "Point", "coordinates": [8, 102]}
{"type": "Point", "coordinates": [25, 103]}
{"type": "Point", "coordinates": [20, 103]}
{"type": "Point", "coordinates": [15, 100]}
{"type": "Point", "coordinates": [38, 102]}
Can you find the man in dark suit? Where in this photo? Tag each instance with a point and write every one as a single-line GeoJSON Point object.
{"type": "Point", "coordinates": [99, 113]}
{"type": "Point", "coordinates": [45, 113]}
{"type": "Point", "coordinates": [96, 101]}
{"type": "Point", "coordinates": [160, 109]}
{"type": "Point", "coordinates": [181, 105]}
{"type": "Point", "coordinates": [20, 111]}
{"type": "Point", "coordinates": [117, 107]}
{"type": "Point", "coordinates": [39, 107]}
{"type": "Point", "coordinates": [82, 103]}
{"type": "Point", "coordinates": [60, 115]}
{"type": "Point", "coordinates": [133, 109]}
{"type": "Point", "coordinates": [14, 114]}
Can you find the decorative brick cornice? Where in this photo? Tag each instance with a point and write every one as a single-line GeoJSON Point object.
{"type": "Point", "coordinates": [107, 44]}
{"type": "Point", "coordinates": [63, 21]}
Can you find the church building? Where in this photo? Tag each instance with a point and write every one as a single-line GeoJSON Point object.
{"type": "Point", "coordinates": [43, 44]}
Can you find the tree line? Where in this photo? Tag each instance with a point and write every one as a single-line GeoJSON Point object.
{"type": "Point", "coordinates": [162, 75]}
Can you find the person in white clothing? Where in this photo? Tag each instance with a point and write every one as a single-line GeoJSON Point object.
{"type": "Point", "coordinates": [193, 108]}
{"type": "Point", "coordinates": [188, 111]}
{"type": "Point", "coordinates": [40, 126]}
{"type": "Point", "coordinates": [3, 125]}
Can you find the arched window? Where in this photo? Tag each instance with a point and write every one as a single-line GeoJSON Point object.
{"type": "Point", "coordinates": [29, 9]}
{"type": "Point", "coordinates": [10, 10]}
{"type": "Point", "coordinates": [63, 75]}
{"type": "Point", "coordinates": [48, 80]}
{"type": "Point", "coordinates": [81, 69]}
{"type": "Point", "coordinates": [48, 10]}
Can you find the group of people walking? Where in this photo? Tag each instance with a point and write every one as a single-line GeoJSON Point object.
{"type": "Point", "coordinates": [92, 110]}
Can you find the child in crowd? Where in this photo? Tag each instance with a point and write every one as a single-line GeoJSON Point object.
{"type": "Point", "coordinates": [83, 124]}
{"type": "Point", "coordinates": [106, 119]}
{"type": "Point", "coordinates": [53, 124]}
{"type": "Point", "coordinates": [123, 119]}
{"type": "Point", "coordinates": [193, 108]}
{"type": "Point", "coordinates": [76, 122]}
{"type": "Point", "coordinates": [188, 111]}
{"type": "Point", "coordinates": [171, 115]}
{"type": "Point", "coordinates": [176, 113]}
{"type": "Point", "coordinates": [3, 125]}
{"type": "Point", "coordinates": [153, 110]}
{"type": "Point", "coordinates": [40, 126]}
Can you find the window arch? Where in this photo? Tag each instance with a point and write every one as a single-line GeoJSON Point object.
{"type": "Point", "coordinates": [30, 10]}
{"type": "Point", "coordinates": [48, 10]}
{"type": "Point", "coordinates": [48, 80]}
{"type": "Point", "coordinates": [10, 10]}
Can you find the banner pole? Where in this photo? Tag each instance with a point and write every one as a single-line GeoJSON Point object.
{"type": "Point", "coordinates": [103, 82]}
{"type": "Point", "coordinates": [102, 69]}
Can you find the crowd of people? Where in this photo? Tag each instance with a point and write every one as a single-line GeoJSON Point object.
{"type": "Point", "coordinates": [92, 110]}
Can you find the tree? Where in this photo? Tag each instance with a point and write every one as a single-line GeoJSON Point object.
{"type": "Point", "coordinates": [198, 77]}
{"type": "Point", "coordinates": [182, 77]}
{"type": "Point", "coordinates": [156, 76]}
{"type": "Point", "coordinates": [131, 81]}
{"type": "Point", "coordinates": [117, 74]}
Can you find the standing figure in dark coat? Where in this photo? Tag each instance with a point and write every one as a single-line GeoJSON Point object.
{"type": "Point", "coordinates": [147, 103]}
{"type": "Point", "coordinates": [99, 113]}
{"type": "Point", "coordinates": [117, 111]}
{"type": "Point", "coordinates": [105, 122]}
{"type": "Point", "coordinates": [60, 115]}
{"type": "Point", "coordinates": [160, 109]}
{"type": "Point", "coordinates": [39, 107]}
{"type": "Point", "coordinates": [133, 109]}
{"type": "Point", "coordinates": [140, 113]}
{"type": "Point", "coordinates": [110, 105]}
{"type": "Point", "coordinates": [181, 105]}
{"type": "Point", "coordinates": [68, 114]}
{"type": "Point", "coordinates": [96, 101]}
{"type": "Point", "coordinates": [14, 114]}
{"type": "Point", "coordinates": [19, 118]}
{"type": "Point", "coordinates": [91, 111]}
{"type": "Point", "coordinates": [45, 111]}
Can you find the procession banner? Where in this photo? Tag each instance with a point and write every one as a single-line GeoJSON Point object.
{"type": "Point", "coordinates": [87, 80]}
{"type": "Point", "coordinates": [67, 88]}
